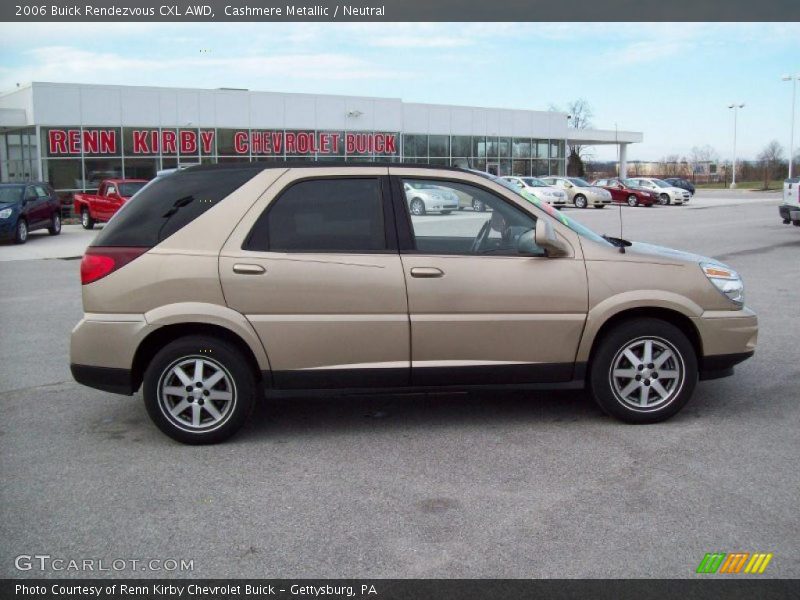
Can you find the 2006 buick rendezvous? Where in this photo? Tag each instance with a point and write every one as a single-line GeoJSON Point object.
{"type": "Point", "coordinates": [217, 283]}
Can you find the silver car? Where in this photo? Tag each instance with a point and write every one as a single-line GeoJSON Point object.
{"type": "Point", "coordinates": [424, 198]}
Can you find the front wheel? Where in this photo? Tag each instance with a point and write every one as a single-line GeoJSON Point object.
{"type": "Point", "coordinates": [478, 205]}
{"type": "Point", "coordinates": [417, 207]}
{"type": "Point", "coordinates": [643, 371]}
{"type": "Point", "coordinates": [199, 389]}
{"type": "Point", "coordinates": [664, 199]}
{"type": "Point", "coordinates": [580, 201]}
{"type": "Point", "coordinates": [55, 224]}
{"type": "Point", "coordinates": [21, 232]}
{"type": "Point", "coordinates": [632, 200]}
{"type": "Point", "coordinates": [87, 222]}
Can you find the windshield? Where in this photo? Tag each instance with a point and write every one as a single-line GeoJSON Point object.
{"type": "Point", "coordinates": [126, 190]}
{"type": "Point", "coordinates": [533, 182]}
{"type": "Point", "coordinates": [11, 193]}
{"type": "Point", "coordinates": [578, 182]}
{"type": "Point", "coordinates": [631, 183]}
{"type": "Point", "coordinates": [661, 184]}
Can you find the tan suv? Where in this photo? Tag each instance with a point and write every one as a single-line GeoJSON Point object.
{"type": "Point", "coordinates": [218, 283]}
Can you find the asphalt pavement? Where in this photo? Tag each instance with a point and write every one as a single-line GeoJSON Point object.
{"type": "Point", "coordinates": [432, 485]}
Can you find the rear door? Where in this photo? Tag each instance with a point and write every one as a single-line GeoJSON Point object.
{"type": "Point", "coordinates": [314, 266]}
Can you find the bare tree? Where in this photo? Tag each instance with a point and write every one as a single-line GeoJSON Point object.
{"type": "Point", "coordinates": [581, 114]}
{"type": "Point", "coordinates": [700, 155]}
{"type": "Point", "coordinates": [770, 158]}
{"type": "Point", "coordinates": [669, 166]}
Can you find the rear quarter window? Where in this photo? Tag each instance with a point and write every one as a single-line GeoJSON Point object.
{"type": "Point", "coordinates": [170, 203]}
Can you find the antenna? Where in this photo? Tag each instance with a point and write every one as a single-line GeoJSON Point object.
{"type": "Point", "coordinates": [621, 242]}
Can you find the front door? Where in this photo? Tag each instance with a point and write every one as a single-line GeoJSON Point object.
{"type": "Point", "coordinates": [480, 312]}
{"type": "Point", "coordinates": [315, 268]}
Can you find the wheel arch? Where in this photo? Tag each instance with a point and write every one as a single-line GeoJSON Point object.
{"type": "Point", "coordinates": [160, 337]}
{"type": "Point", "coordinates": [670, 315]}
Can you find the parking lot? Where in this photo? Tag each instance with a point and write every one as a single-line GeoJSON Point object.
{"type": "Point", "coordinates": [501, 485]}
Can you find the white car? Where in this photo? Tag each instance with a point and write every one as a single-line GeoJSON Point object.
{"type": "Point", "coordinates": [667, 194]}
{"type": "Point", "coordinates": [537, 187]}
{"type": "Point", "coordinates": [424, 198]}
{"type": "Point", "coordinates": [580, 192]}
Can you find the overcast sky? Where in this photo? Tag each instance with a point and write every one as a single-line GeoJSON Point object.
{"type": "Point", "coordinates": [671, 81]}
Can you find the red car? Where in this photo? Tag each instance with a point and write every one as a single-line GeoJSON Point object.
{"type": "Point", "coordinates": [623, 191]}
{"type": "Point", "coordinates": [111, 195]}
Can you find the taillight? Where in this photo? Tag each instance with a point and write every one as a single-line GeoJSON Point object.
{"type": "Point", "coordinates": [99, 261]}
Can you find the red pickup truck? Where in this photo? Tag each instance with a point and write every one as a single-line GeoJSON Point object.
{"type": "Point", "coordinates": [111, 195]}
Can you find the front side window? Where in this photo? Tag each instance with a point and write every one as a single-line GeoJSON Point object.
{"type": "Point", "coordinates": [323, 215]}
{"type": "Point", "coordinates": [492, 226]}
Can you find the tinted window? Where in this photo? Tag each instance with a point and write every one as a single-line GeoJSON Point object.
{"type": "Point", "coordinates": [11, 193]}
{"type": "Point", "coordinates": [170, 203]}
{"type": "Point", "coordinates": [323, 215]}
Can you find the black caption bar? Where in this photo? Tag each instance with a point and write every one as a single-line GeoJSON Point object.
{"type": "Point", "coordinates": [395, 589]}
{"type": "Point", "coordinates": [399, 10]}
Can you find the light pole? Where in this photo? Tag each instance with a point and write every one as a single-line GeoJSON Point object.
{"type": "Point", "coordinates": [794, 81]}
{"type": "Point", "coordinates": [735, 108]}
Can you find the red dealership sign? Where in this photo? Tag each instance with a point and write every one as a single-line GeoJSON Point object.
{"type": "Point", "coordinates": [72, 142]}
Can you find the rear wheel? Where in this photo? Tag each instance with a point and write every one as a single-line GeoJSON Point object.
{"type": "Point", "coordinates": [21, 232]}
{"type": "Point", "coordinates": [580, 201]}
{"type": "Point", "coordinates": [632, 200]}
{"type": "Point", "coordinates": [199, 389]}
{"type": "Point", "coordinates": [86, 219]}
{"type": "Point", "coordinates": [55, 224]}
{"type": "Point", "coordinates": [643, 371]}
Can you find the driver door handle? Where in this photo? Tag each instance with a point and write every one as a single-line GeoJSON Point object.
{"type": "Point", "coordinates": [426, 272]}
{"type": "Point", "coordinates": [245, 269]}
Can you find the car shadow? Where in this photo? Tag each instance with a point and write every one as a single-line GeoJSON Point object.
{"type": "Point", "coordinates": [352, 413]}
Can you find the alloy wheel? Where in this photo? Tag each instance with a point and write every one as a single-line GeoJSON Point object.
{"type": "Point", "coordinates": [197, 394]}
{"type": "Point", "coordinates": [632, 201]}
{"type": "Point", "coordinates": [647, 374]}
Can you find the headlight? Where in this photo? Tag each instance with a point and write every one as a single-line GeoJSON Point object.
{"type": "Point", "coordinates": [5, 213]}
{"type": "Point", "coordinates": [726, 280]}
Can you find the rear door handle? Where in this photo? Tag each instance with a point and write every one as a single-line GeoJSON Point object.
{"type": "Point", "coordinates": [426, 272]}
{"type": "Point", "coordinates": [245, 269]}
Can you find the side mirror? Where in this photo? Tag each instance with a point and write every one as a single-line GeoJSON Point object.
{"type": "Point", "coordinates": [546, 237]}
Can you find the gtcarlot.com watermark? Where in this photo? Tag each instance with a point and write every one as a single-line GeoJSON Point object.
{"type": "Point", "coordinates": [48, 563]}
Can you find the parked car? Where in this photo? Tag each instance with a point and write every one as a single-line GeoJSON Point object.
{"type": "Point", "coordinates": [26, 207]}
{"type": "Point", "coordinates": [424, 198]}
{"type": "Point", "coordinates": [624, 191]}
{"type": "Point", "coordinates": [682, 183]}
{"type": "Point", "coordinates": [537, 187]}
{"type": "Point", "coordinates": [580, 192]}
{"type": "Point", "coordinates": [667, 194]}
{"type": "Point", "coordinates": [110, 197]}
{"type": "Point", "coordinates": [789, 210]}
{"type": "Point", "coordinates": [225, 281]}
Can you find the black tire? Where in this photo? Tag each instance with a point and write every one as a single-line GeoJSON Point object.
{"type": "Point", "coordinates": [241, 379]}
{"type": "Point", "coordinates": [86, 219]}
{"type": "Point", "coordinates": [446, 212]}
{"type": "Point", "coordinates": [599, 205]}
{"type": "Point", "coordinates": [580, 201]}
{"type": "Point", "coordinates": [55, 224]}
{"type": "Point", "coordinates": [21, 232]}
{"type": "Point", "coordinates": [633, 200]}
{"type": "Point", "coordinates": [417, 207]}
{"type": "Point", "coordinates": [610, 350]}
{"type": "Point", "coordinates": [664, 199]}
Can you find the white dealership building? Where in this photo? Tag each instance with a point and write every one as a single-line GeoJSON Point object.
{"type": "Point", "coordinates": [73, 135]}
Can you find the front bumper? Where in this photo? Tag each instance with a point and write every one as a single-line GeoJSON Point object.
{"type": "Point", "coordinates": [727, 337]}
{"type": "Point", "coordinates": [8, 228]}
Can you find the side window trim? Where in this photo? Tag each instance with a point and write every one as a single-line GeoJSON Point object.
{"type": "Point", "coordinates": [390, 231]}
{"type": "Point", "coordinates": [405, 230]}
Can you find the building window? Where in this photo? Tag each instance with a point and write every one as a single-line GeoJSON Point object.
{"type": "Point", "coordinates": [415, 145]}
{"type": "Point", "coordinates": [439, 146]}
{"type": "Point", "coordinates": [460, 145]}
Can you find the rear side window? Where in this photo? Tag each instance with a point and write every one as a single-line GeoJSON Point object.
{"type": "Point", "coordinates": [323, 215]}
{"type": "Point", "coordinates": [170, 203]}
